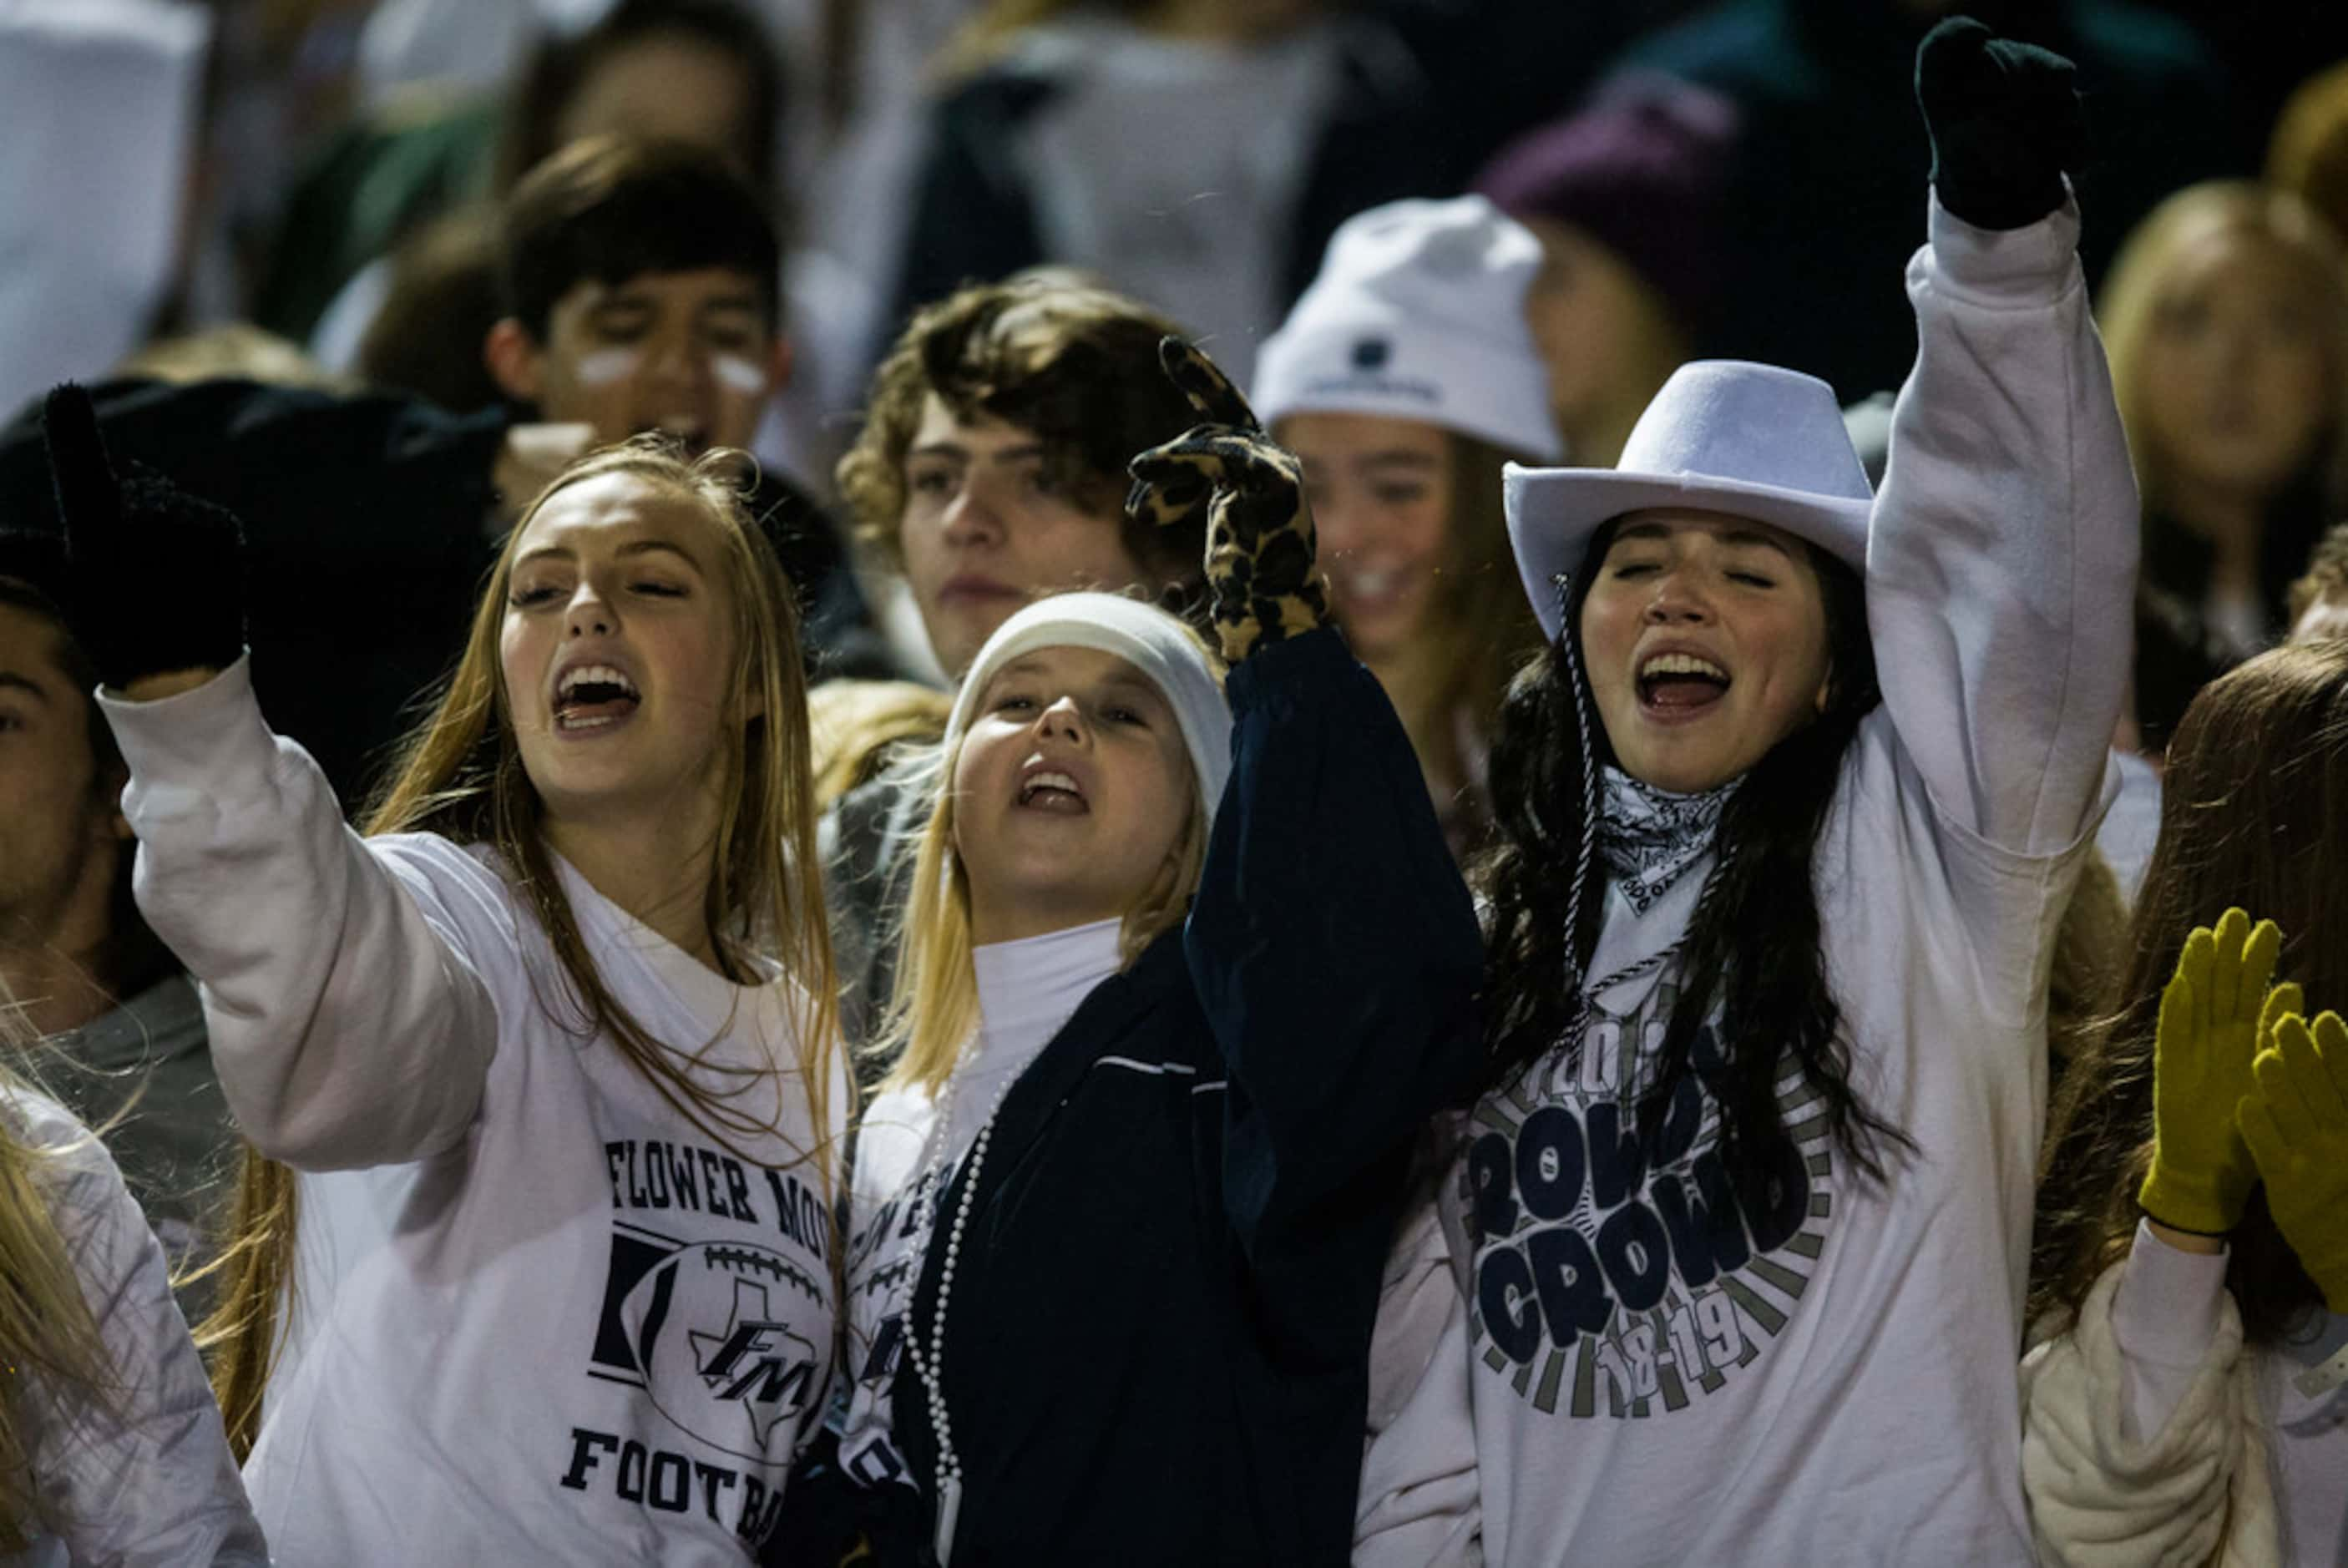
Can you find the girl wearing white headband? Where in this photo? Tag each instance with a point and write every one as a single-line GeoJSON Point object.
{"type": "Point", "coordinates": [1730, 1266]}
{"type": "Point", "coordinates": [1121, 1208]}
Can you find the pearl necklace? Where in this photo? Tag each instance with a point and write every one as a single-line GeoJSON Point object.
{"type": "Point", "coordinates": [931, 1369]}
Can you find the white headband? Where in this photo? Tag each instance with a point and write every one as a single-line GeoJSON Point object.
{"type": "Point", "coordinates": [1153, 642]}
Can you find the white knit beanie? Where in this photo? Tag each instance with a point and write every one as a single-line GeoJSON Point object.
{"type": "Point", "coordinates": [1166, 652]}
{"type": "Point", "coordinates": [1418, 313]}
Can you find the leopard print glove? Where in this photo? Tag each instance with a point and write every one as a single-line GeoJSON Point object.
{"type": "Point", "coordinates": [1261, 571]}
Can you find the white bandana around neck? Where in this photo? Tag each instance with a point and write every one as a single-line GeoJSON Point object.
{"type": "Point", "coordinates": [1650, 837]}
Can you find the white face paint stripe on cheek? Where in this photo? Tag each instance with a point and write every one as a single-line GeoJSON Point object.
{"type": "Point", "coordinates": [740, 373]}
{"type": "Point", "coordinates": [603, 366]}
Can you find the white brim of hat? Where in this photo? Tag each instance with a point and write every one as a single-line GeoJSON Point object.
{"type": "Point", "coordinates": [1554, 514]}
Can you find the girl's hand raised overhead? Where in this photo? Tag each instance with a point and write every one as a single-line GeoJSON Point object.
{"type": "Point", "coordinates": [1261, 565]}
{"type": "Point", "coordinates": [156, 573]}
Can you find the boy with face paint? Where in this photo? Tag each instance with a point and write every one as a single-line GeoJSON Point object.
{"type": "Point", "coordinates": [640, 287]}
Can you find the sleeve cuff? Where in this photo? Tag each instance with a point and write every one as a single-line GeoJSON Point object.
{"type": "Point", "coordinates": [2008, 267]}
{"type": "Point", "coordinates": [1283, 675]}
{"type": "Point", "coordinates": [214, 733]}
{"type": "Point", "coordinates": [2168, 1305]}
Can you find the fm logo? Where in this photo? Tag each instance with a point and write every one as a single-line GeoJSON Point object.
{"type": "Point", "coordinates": [705, 1329]}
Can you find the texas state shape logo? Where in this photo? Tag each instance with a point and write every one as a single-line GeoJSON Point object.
{"type": "Point", "coordinates": [705, 1328]}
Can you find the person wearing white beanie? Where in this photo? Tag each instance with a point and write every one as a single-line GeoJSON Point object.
{"type": "Point", "coordinates": [1120, 1208]}
{"type": "Point", "coordinates": [1406, 378]}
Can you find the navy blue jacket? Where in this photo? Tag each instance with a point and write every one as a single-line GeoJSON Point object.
{"type": "Point", "coordinates": [1157, 1349]}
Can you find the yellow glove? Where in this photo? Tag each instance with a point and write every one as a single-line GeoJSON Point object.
{"type": "Point", "coordinates": [2210, 1025]}
{"type": "Point", "coordinates": [2295, 1121]}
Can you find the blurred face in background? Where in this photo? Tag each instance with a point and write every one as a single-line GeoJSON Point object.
{"type": "Point", "coordinates": [2236, 384]}
{"type": "Point", "coordinates": [690, 353]}
{"type": "Point", "coordinates": [1606, 338]}
{"type": "Point", "coordinates": [60, 830]}
{"type": "Point", "coordinates": [1381, 490]}
{"type": "Point", "coordinates": [666, 89]}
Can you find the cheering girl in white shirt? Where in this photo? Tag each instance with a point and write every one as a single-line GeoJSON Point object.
{"type": "Point", "coordinates": [550, 1047]}
{"type": "Point", "coordinates": [1788, 816]}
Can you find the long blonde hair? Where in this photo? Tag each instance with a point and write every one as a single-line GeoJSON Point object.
{"type": "Point", "coordinates": [2140, 280]}
{"type": "Point", "coordinates": [48, 1335]}
{"type": "Point", "coordinates": [460, 776]}
{"type": "Point", "coordinates": [934, 1008]}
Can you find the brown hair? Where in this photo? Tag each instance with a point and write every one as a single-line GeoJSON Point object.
{"type": "Point", "coordinates": [2254, 816]}
{"type": "Point", "coordinates": [608, 209]}
{"type": "Point", "coordinates": [460, 776]}
{"type": "Point", "coordinates": [1488, 632]}
{"type": "Point", "coordinates": [1073, 365]}
{"type": "Point", "coordinates": [2326, 576]}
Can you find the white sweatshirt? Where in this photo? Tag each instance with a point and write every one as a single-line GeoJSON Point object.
{"type": "Point", "coordinates": [150, 1484]}
{"type": "Point", "coordinates": [2152, 1438]}
{"type": "Point", "coordinates": [542, 1315]}
{"type": "Point", "coordinates": [1646, 1378]}
{"type": "Point", "coordinates": [1026, 990]}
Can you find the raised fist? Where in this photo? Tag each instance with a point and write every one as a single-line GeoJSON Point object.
{"type": "Point", "coordinates": [1260, 567]}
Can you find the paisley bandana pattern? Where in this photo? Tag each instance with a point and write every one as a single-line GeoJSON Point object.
{"type": "Point", "coordinates": [1649, 838]}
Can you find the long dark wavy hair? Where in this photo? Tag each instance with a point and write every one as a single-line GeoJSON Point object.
{"type": "Point", "coordinates": [1753, 948]}
{"type": "Point", "coordinates": [2253, 816]}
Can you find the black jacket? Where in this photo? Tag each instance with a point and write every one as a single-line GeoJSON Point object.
{"type": "Point", "coordinates": [368, 538]}
{"type": "Point", "coordinates": [1156, 1350]}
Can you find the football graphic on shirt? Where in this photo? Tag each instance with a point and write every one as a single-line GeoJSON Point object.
{"type": "Point", "coordinates": [708, 1329]}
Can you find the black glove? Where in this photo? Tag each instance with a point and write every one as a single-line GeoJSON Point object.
{"type": "Point", "coordinates": [155, 577]}
{"type": "Point", "coordinates": [2005, 120]}
{"type": "Point", "coordinates": [1260, 550]}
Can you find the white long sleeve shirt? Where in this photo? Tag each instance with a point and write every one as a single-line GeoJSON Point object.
{"type": "Point", "coordinates": [1656, 1372]}
{"type": "Point", "coordinates": [541, 1315]}
{"type": "Point", "coordinates": [2152, 1436]}
{"type": "Point", "coordinates": [150, 1483]}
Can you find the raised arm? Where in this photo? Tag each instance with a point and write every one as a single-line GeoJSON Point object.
{"type": "Point", "coordinates": [2002, 566]}
{"type": "Point", "coordinates": [1332, 944]}
{"type": "Point", "coordinates": [347, 1025]}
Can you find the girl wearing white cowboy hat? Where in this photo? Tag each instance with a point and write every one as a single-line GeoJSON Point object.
{"type": "Point", "coordinates": [1121, 1207]}
{"type": "Point", "coordinates": [1731, 1263]}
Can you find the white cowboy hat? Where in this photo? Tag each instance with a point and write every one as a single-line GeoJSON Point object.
{"type": "Point", "coordinates": [1751, 441]}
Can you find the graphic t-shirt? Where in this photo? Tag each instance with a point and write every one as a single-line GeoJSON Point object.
{"type": "Point", "coordinates": [539, 1315]}
{"type": "Point", "coordinates": [1628, 1284]}
{"type": "Point", "coordinates": [1027, 989]}
{"type": "Point", "coordinates": [1665, 1368]}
